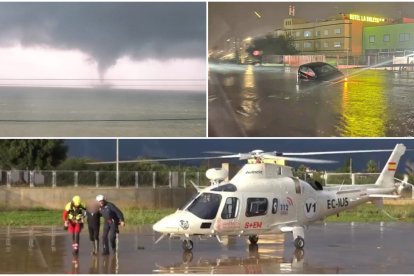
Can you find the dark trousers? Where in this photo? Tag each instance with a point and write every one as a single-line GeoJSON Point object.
{"type": "Point", "coordinates": [111, 229]}
{"type": "Point", "coordinates": [93, 232]}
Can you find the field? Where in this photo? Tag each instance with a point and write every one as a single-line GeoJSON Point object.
{"type": "Point", "coordinates": [394, 210]}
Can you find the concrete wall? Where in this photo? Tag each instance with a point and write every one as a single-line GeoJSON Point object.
{"type": "Point", "coordinates": [56, 198]}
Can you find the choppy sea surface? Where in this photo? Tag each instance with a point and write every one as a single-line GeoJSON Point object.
{"type": "Point", "coordinates": [99, 112]}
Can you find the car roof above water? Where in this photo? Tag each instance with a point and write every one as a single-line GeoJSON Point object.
{"type": "Point", "coordinates": [315, 64]}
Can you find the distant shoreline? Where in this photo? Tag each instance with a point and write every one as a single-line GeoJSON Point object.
{"type": "Point", "coordinates": [112, 88]}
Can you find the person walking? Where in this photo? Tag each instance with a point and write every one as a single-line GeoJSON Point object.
{"type": "Point", "coordinates": [73, 216]}
{"type": "Point", "coordinates": [112, 218]}
{"type": "Point", "coordinates": [93, 217]}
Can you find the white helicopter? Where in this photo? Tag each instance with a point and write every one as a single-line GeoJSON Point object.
{"type": "Point", "coordinates": [264, 197]}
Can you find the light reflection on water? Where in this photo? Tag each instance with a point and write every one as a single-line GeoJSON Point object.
{"type": "Point", "coordinates": [364, 106]}
{"type": "Point", "coordinates": [331, 248]}
{"type": "Point", "coordinates": [269, 102]}
{"type": "Point", "coordinates": [249, 107]}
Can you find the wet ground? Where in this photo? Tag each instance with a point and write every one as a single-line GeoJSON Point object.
{"type": "Point", "coordinates": [246, 100]}
{"type": "Point", "coordinates": [330, 248]}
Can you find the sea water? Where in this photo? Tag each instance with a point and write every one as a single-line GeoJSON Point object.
{"type": "Point", "coordinates": [98, 112]}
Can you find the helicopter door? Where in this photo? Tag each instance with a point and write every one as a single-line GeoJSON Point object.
{"type": "Point", "coordinates": [231, 208]}
{"type": "Point", "coordinates": [227, 222]}
{"type": "Point", "coordinates": [290, 200]}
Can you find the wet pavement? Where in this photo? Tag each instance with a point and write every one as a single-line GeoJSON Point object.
{"type": "Point", "coordinates": [330, 248]}
{"type": "Point", "coordinates": [246, 100]}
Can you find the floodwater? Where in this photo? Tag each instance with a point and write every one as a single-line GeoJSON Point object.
{"type": "Point", "coordinates": [74, 112]}
{"type": "Point", "coordinates": [330, 248]}
{"type": "Point", "coordinates": [267, 101]}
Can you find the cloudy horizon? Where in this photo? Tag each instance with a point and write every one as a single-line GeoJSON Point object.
{"type": "Point", "coordinates": [146, 44]}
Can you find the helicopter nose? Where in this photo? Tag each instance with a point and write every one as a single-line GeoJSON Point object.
{"type": "Point", "coordinates": [166, 225]}
{"type": "Point", "coordinates": [158, 226]}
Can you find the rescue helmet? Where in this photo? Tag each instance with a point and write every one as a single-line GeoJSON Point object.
{"type": "Point", "coordinates": [100, 198]}
{"type": "Point", "coordinates": [76, 200]}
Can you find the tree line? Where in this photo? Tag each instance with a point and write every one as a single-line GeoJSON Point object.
{"type": "Point", "coordinates": [52, 154]}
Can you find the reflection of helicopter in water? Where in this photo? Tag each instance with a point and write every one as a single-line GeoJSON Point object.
{"type": "Point", "coordinates": [265, 197]}
{"type": "Point", "coordinates": [106, 265]}
{"type": "Point", "coordinates": [264, 259]}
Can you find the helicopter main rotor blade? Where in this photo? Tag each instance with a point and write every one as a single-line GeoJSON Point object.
{"type": "Point", "coordinates": [218, 152]}
{"type": "Point", "coordinates": [162, 159]}
{"type": "Point", "coordinates": [331, 152]}
{"type": "Point", "coordinates": [255, 154]}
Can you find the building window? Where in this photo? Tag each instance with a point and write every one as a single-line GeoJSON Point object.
{"type": "Point", "coordinates": [337, 44]}
{"type": "Point", "coordinates": [317, 33]}
{"type": "Point", "coordinates": [326, 32]}
{"type": "Point", "coordinates": [386, 37]}
{"type": "Point", "coordinates": [372, 39]}
{"type": "Point", "coordinates": [307, 45]}
{"type": "Point", "coordinates": [317, 45]}
{"type": "Point", "coordinates": [337, 31]}
{"type": "Point", "coordinates": [325, 44]}
{"type": "Point", "coordinates": [404, 37]}
{"type": "Point", "coordinates": [297, 33]}
{"type": "Point", "coordinates": [297, 45]}
{"type": "Point", "coordinates": [307, 33]}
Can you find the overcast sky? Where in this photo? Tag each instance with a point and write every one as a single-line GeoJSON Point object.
{"type": "Point", "coordinates": [105, 150]}
{"type": "Point", "coordinates": [238, 19]}
{"type": "Point", "coordinates": [103, 40]}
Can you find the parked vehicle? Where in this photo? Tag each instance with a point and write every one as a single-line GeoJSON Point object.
{"type": "Point", "coordinates": [319, 71]}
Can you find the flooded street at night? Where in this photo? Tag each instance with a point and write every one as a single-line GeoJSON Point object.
{"type": "Point", "coordinates": [246, 100]}
{"type": "Point", "coordinates": [330, 248]}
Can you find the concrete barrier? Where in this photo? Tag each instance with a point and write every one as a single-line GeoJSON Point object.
{"type": "Point", "coordinates": [56, 198]}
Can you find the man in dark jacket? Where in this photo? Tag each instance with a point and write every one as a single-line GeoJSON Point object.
{"type": "Point", "coordinates": [112, 218]}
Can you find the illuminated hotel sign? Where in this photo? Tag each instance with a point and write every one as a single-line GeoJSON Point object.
{"type": "Point", "coordinates": [366, 18]}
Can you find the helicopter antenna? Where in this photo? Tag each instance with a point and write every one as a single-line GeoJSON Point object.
{"type": "Point", "coordinates": [195, 186]}
{"type": "Point", "coordinates": [340, 188]}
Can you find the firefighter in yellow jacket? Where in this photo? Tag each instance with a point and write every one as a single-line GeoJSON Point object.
{"type": "Point", "coordinates": [73, 216]}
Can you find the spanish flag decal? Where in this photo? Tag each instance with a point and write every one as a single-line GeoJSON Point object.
{"type": "Point", "coordinates": [392, 166]}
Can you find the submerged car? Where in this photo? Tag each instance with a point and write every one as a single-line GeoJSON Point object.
{"type": "Point", "coordinates": [319, 71]}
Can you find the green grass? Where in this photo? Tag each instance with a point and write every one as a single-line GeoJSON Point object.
{"type": "Point", "coordinates": [54, 217]}
{"type": "Point", "coordinates": [30, 217]}
{"type": "Point", "coordinates": [133, 216]}
{"type": "Point", "coordinates": [371, 213]}
{"type": "Point", "coordinates": [145, 216]}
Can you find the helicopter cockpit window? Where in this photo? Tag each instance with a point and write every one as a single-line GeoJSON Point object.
{"type": "Point", "coordinates": [316, 185]}
{"type": "Point", "coordinates": [225, 188]}
{"type": "Point", "coordinates": [256, 207]}
{"type": "Point", "coordinates": [230, 209]}
{"type": "Point", "coordinates": [188, 202]}
{"type": "Point", "coordinates": [205, 206]}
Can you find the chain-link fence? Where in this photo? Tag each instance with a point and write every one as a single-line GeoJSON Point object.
{"type": "Point", "coordinates": [350, 178]}
{"type": "Point", "coordinates": [328, 178]}
{"type": "Point", "coordinates": [153, 179]}
{"type": "Point", "coordinates": [16, 178]}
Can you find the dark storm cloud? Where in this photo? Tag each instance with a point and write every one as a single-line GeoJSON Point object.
{"type": "Point", "coordinates": [130, 149]}
{"type": "Point", "coordinates": [107, 31]}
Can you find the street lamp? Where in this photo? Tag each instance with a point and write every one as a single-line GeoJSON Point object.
{"type": "Point", "coordinates": [117, 163]}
